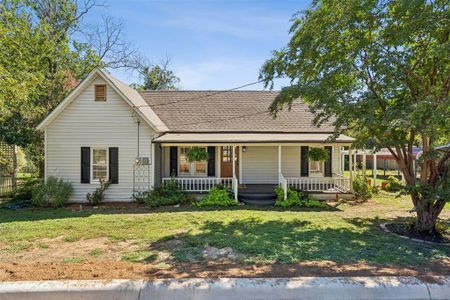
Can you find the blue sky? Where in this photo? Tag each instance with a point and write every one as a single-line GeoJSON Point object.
{"type": "Point", "coordinates": [213, 44]}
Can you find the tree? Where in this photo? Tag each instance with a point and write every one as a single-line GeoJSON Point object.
{"type": "Point", "coordinates": [45, 50]}
{"type": "Point", "coordinates": [381, 69]}
{"type": "Point", "coordinates": [154, 76]}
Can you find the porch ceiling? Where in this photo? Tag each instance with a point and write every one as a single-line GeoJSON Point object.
{"type": "Point", "coordinates": [240, 138]}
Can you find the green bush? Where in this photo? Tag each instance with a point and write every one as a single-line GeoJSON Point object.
{"type": "Point", "coordinates": [25, 187]}
{"type": "Point", "coordinates": [55, 192]}
{"type": "Point", "coordinates": [393, 184]}
{"type": "Point", "coordinates": [167, 194]}
{"type": "Point", "coordinates": [296, 199]}
{"type": "Point", "coordinates": [361, 188]}
{"type": "Point", "coordinates": [98, 195]}
{"type": "Point", "coordinates": [218, 196]}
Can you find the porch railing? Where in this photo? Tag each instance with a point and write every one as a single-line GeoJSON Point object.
{"type": "Point", "coordinates": [319, 184]}
{"type": "Point", "coordinates": [283, 184]}
{"type": "Point", "coordinates": [200, 184]}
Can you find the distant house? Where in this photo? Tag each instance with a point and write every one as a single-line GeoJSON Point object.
{"type": "Point", "coordinates": [106, 130]}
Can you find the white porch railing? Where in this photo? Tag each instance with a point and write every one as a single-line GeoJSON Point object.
{"type": "Point", "coordinates": [283, 184]}
{"type": "Point", "coordinates": [318, 184]}
{"type": "Point", "coordinates": [200, 184]}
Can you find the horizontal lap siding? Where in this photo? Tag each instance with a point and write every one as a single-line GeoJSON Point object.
{"type": "Point", "coordinates": [260, 165]}
{"type": "Point", "coordinates": [88, 123]}
{"type": "Point", "coordinates": [290, 161]}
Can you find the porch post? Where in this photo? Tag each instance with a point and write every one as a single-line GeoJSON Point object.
{"type": "Point", "coordinates": [342, 161]}
{"type": "Point", "coordinates": [233, 158]}
{"type": "Point", "coordinates": [350, 167]}
{"type": "Point", "coordinates": [374, 167]}
{"type": "Point", "coordinates": [279, 160]}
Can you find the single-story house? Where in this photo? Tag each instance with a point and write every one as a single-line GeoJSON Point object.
{"type": "Point", "coordinates": [104, 129]}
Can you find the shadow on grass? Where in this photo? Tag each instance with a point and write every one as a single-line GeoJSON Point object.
{"type": "Point", "coordinates": [350, 241]}
{"type": "Point", "coordinates": [72, 211]}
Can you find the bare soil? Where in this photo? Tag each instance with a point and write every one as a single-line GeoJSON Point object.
{"type": "Point", "coordinates": [112, 269]}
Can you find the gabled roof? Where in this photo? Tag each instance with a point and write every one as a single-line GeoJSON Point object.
{"type": "Point", "coordinates": [229, 111]}
{"type": "Point", "coordinates": [132, 97]}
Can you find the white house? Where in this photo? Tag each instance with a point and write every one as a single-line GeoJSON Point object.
{"type": "Point", "coordinates": [106, 130]}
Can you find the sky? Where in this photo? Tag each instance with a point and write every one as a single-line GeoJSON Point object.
{"type": "Point", "coordinates": [213, 44]}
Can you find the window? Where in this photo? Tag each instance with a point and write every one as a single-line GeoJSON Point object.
{"type": "Point", "coordinates": [315, 168]}
{"type": "Point", "coordinates": [100, 92]}
{"type": "Point", "coordinates": [196, 168]}
{"type": "Point", "coordinates": [99, 164]}
{"type": "Point", "coordinates": [185, 165]}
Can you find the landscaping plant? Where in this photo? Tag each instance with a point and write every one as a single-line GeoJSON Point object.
{"type": "Point", "coordinates": [197, 154]}
{"type": "Point", "coordinates": [317, 154]}
{"type": "Point", "coordinates": [168, 193]}
{"type": "Point", "coordinates": [98, 195]}
{"type": "Point", "coordinates": [393, 184]}
{"type": "Point", "coordinates": [380, 70]}
{"type": "Point", "coordinates": [361, 187]}
{"type": "Point", "coordinates": [55, 192]}
{"type": "Point", "coordinates": [296, 199]}
{"type": "Point", "coordinates": [217, 196]}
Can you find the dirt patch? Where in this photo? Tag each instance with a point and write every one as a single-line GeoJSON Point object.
{"type": "Point", "coordinates": [126, 270]}
{"type": "Point", "coordinates": [408, 231]}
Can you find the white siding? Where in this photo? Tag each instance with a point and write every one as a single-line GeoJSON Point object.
{"type": "Point", "coordinates": [290, 161]}
{"type": "Point", "coordinates": [260, 165]}
{"type": "Point", "coordinates": [86, 123]}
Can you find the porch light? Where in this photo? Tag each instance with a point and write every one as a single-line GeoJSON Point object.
{"type": "Point", "coordinates": [244, 148]}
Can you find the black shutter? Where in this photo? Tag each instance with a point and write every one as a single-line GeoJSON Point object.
{"type": "Point", "coordinates": [211, 161]}
{"type": "Point", "coordinates": [114, 165]}
{"type": "Point", "coordinates": [85, 164]}
{"type": "Point", "coordinates": [304, 161]}
{"type": "Point", "coordinates": [174, 161]}
{"type": "Point", "coordinates": [328, 161]}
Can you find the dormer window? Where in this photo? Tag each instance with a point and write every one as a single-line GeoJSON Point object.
{"type": "Point", "coordinates": [100, 92]}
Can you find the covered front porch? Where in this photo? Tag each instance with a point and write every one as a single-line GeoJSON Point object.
{"type": "Point", "coordinates": [240, 161]}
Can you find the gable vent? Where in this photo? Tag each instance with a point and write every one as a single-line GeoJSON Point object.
{"type": "Point", "coordinates": [100, 92]}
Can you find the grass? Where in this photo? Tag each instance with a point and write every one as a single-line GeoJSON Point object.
{"type": "Point", "coordinates": [344, 234]}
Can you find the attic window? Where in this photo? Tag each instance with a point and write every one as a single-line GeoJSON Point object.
{"type": "Point", "coordinates": [100, 92]}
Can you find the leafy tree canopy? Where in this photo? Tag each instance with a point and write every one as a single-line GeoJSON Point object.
{"type": "Point", "coordinates": [380, 69]}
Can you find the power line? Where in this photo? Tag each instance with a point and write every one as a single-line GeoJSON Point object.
{"type": "Point", "coordinates": [203, 96]}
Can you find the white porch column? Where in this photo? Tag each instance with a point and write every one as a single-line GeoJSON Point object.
{"type": "Point", "coordinates": [240, 163]}
{"type": "Point", "coordinates": [279, 159]}
{"type": "Point", "coordinates": [233, 158]}
{"type": "Point", "coordinates": [342, 161]}
{"type": "Point", "coordinates": [350, 167]}
{"type": "Point", "coordinates": [374, 166]}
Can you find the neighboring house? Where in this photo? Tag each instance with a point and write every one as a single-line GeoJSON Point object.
{"type": "Point", "coordinates": [107, 130]}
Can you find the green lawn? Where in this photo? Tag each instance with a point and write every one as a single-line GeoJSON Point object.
{"type": "Point", "coordinates": [347, 233]}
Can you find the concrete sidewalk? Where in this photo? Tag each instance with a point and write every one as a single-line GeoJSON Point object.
{"type": "Point", "coordinates": [232, 288]}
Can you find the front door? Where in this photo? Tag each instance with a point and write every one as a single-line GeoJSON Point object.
{"type": "Point", "coordinates": [226, 157]}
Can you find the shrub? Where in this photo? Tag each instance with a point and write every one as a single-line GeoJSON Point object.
{"type": "Point", "coordinates": [25, 187]}
{"type": "Point", "coordinates": [98, 195]}
{"type": "Point", "coordinates": [167, 194]}
{"type": "Point", "coordinates": [296, 199]}
{"type": "Point", "coordinates": [140, 197]}
{"type": "Point", "coordinates": [393, 184]}
{"type": "Point", "coordinates": [361, 188]}
{"type": "Point", "coordinates": [218, 196]}
{"type": "Point", "coordinates": [55, 192]}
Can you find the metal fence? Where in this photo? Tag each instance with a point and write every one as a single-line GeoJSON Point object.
{"type": "Point", "coordinates": [8, 165]}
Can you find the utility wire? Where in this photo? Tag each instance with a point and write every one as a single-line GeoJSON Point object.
{"type": "Point", "coordinates": [203, 96]}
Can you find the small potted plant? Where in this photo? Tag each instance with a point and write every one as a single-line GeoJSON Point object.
{"type": "Point", "coordinates": [318, 154]}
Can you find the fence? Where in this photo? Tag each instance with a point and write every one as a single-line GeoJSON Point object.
{"type": "Point", "coordinates": [8, 166]}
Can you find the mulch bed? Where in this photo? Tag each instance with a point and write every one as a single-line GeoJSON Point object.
{"type": "Point", "coordinates": [406, 230]}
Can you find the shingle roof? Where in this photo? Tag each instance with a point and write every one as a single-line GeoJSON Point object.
{"type": "Point", "coordinates": [235, 111]}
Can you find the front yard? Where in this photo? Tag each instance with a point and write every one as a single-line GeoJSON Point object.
{"type": "Point", "coordinates": [137, 242]}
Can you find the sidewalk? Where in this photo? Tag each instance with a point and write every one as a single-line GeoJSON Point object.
{"type": "Point", "coordinates": [335, 288]}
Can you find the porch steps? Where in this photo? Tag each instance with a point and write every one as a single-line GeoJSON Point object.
{"type": "Point", "coordinates": [260, 195]}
